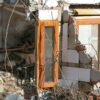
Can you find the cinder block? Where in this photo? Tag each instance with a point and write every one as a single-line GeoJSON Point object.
{"type": "Point", "coordinates": [71, 39]}
{"type": "Point", "coordinates": [79, 74]}
{"type": "Point", "coordinates": [65, 16]}
{"type": "Point", "coordinates": [64, 56]}
{"type": "Point", "coordinates": [72, 30]}
{"type": "Point", "coordinates": [95, 75]}
{"type": "Point", "coordinates": [84, 74]}
{"type": "Point", "coordinates": [70, 73]}
{"type": "Point", "coordinates": [70, 56]}
{"type": "Point", "coordinates": [65, 37]}
{"type": "Point", "coordinates": [68, 83]}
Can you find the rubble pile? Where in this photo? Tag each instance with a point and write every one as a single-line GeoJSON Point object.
{"type": "Point", "coordinates": [62, 93]}
{"type": "Point", "coordinates": [8, 85]}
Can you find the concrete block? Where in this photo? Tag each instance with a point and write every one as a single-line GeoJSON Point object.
{"type": "Point", "coordinates": [95, 76]}
{"type": "Point", "coordinates": [65, 16]}
{"type": "Point", "coordinates": [84, 74]}
{"type": "Point", "coordinates": [64, 56]}
{"type": "Point", "coordinates": [70, 73]}
{"type": "Point", "coordinates": [65, 37]}
{"type": "Point", "coordinates": [72, 56]}
{"type": "Point", "coordinates": [71, 43]}
{"type": "Point", "coordinates": [64, 42]}
{"type": "Point", "coordinates": [79, 74]}
{"type": "Point", "coordinates": [72, 37]}
{"type": "Point", "coordinates": [72, 30]}
{"type": "Point", "coordinates": [68, 83]}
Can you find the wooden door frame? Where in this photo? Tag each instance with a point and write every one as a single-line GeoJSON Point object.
{"type": "Point", "coordinates": [40, 53]}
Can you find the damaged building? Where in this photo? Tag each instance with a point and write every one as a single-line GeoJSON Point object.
{"type": "Point", "coordinates": [49, 52]}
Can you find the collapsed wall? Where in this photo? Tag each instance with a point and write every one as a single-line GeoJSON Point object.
{"type": "Point", "coordinates": [77, 63]}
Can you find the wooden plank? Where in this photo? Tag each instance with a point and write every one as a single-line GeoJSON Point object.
{"type": "Point", "coordinates": [87, 21]}
{"type": "Point", "coordinates": [37, 56]}
{"type": "Point", "coordinates": [56, 50]}
{"type": "Point", "coordinates": [42, 62]}
{"type": "Point", "coordinates": [12, 5]}
{"type": "Point", "coordinates": [15, 11]}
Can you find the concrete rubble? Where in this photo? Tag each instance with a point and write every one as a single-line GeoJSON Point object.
{"type": "Point", "coordinates": [8, 87]}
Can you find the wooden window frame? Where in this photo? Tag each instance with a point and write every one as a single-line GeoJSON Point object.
{"type": "Point", "coordinates": [40, 53]}
{"type": "Point", "coordinates": [87, 21]}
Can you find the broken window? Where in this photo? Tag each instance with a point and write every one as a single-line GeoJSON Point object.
{"type": "Point", "coordinates": [88, 31]}
{"type": "Point", "coordinates": [90, 34]}
{"type": "Point", "coordinates": [90, 40]}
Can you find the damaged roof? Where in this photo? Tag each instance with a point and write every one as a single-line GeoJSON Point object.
{"type": "Point", "coordinates": [85, 9]}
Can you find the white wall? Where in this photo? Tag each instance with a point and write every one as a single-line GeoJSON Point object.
{"type": "Point", "coordinates": [54, 2]}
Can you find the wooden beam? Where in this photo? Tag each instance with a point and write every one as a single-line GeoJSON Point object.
{"type": "Point", "coordinates": [23, 49]}
{"type": "Point", "coordinates": [92, 6]}
{"type": "Point", "coordinates": [15, 11]}
{"type": "Point", "coordinates": [12, 5]}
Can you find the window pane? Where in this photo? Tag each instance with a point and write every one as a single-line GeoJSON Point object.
{"type": "Point", "coordinates": [49, 57]}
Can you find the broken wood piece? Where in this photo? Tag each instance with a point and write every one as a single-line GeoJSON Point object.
{"type": "Point", "coordinates": [15, 11]}
{"type": "Point", "coordinates": [24, 49]}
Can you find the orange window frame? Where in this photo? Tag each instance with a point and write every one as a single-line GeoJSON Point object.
{"type": "Point", "coordinates": [87, 21]}
{"type": "Point", "coordinates": [40, 64]}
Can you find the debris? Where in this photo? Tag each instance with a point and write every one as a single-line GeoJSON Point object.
{"type": "Point", "coordinates": [2, 96]}
{"type": "Point", "coordinates": [80, 47]}
{"type": "Point", "coordinates": [1, 81]}
{"type": "Point", "coordinates": [85, 87]}
{"type": "Point", "coordinates": [28, 91]}
{"type": "Point", "coordinates": [2, 88]}
{"type": "Point", "coordinates": [8, 85]}
{"type": "Point", "coordinates": [60, 93]}
{"type": "Point", "coordinates": [14, 97]}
